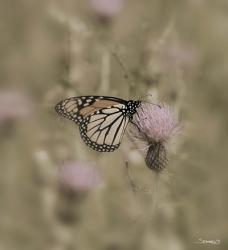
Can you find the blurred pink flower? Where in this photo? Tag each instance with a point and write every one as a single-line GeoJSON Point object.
{"type": "Point", "coordinates": [107, 8]}
{"type": "Point", "coordinates": [79, 176]}
{"type": "Point", "coordinates": [14, 104]}
{"type": "Point", "coordinates": [178, 54]}
{"type": "Point", "coordinates": [154, 126]}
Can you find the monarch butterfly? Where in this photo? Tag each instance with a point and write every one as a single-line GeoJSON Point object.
{"type": "Point", "coordinates": [102, 120]}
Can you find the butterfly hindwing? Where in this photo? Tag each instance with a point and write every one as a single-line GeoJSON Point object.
{"type": "Point", "coordinates": [104, 129]}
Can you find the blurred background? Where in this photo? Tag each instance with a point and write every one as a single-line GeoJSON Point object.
{"type": "Point", "coordinates": [56, 193]}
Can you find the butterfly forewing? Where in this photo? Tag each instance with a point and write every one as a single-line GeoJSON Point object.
{"type": "Point", "coordinates": [77, 108]}
{"type": "Point", "coordinates": [71, 107]}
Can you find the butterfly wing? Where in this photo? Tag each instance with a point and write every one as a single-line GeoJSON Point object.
{"type": "Point", "coordinates": [70, 108]}
{"type": "Point", "coordinates": [102, 120]}
{"type": "Point", "coordinates": [103, 130]}
{"type": "Point", "coordinates": [78, 108]}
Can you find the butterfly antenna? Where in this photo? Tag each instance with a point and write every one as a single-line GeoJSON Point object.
{"type": "Point", "coordinates": [147, 101]}
{"type": "Point", "coordinates": [152, 103]}
{"type": "Point", "coordinates": [145, 96]}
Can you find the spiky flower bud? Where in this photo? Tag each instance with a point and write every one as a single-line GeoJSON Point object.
{"type": "Point", "coordinates": [154, 126]}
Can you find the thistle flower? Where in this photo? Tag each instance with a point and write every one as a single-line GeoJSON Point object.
{"type": "Point", "coordinates": [178, 54]}
{"type": "Point", "coordinates": [79, 176]}
{"type": "Point", "coordinates": [14, 104]}
{"type": "Point", "coordinates": [107, 8]}
{"type": "Point", "coordinates": [76, 179]}
{"type": "Point", "coordinates": [154, 127]}
{"type": "Point", "coordinates": [156, 156]}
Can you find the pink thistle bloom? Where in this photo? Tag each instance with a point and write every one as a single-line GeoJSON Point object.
{"type": "Point", "coordinates": [79, 176]}
{"type": "Point", "coordinates": [157, 123]}
{"type": "Point", "coordinates": [154, 126]}
{"type": "Point", "coordinates": [107, 8]}
{"type": "Point", "coordinates": [13, 105]}
{"type": "Point", "coordinates": [178, 54]}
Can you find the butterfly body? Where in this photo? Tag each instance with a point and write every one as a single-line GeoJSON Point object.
{"type": "Point", "coordinates": [102, 120]}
